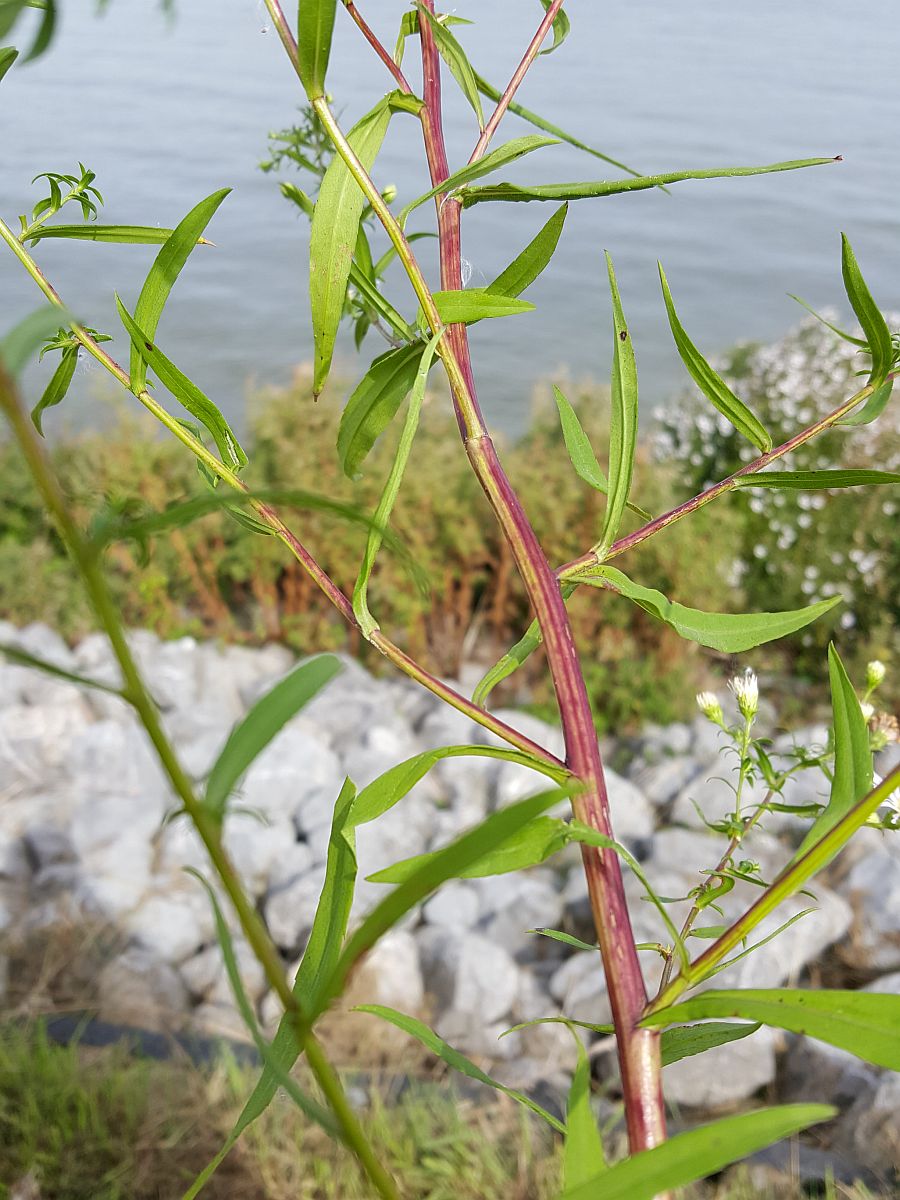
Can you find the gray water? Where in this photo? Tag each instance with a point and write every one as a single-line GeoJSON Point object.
{"type": "Point", "coordinates": [167, 112]}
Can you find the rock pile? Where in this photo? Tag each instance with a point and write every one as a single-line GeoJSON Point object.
{"type": "Point", "coordinates": [84, 845]}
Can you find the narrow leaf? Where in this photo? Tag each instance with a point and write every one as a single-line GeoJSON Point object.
{"type": "Point", "coordinates": [877, 334]}
{"type": "Point", "coordinates": [852, 774]}
{"type": "Point", "coordinates": [583, 1156]}
{"type": "Point", "coordinates": [732, 633]}
{"type": "Point", "coordinates": [8, 55]}
{"type": "Point", "coordinates": [56, 389]}
{"type": "Point", "coordinates": [527, 266]}
{"type": "Point", "coordinates": [684, 1041]}
{"type": "Point", "coordinates": [561, 27]}
{"type": "Point", "coordinates": [567, 939]}
{"type": "Point", "coordinates": [23, 659]}
{"type": "Point", "coordinates": [579, 447]}
{"type": "Point", "coordinates": [710, 382]}
{"type": "Point", "coordinates": [810, 481]}
{"type": "Point", "coordinates": [475, 304]}
{"type": "Point", "coordinates": [603, 187]}
{"type": "Point", "coordinates": [264, 720]}
{"type": "Point", "coordinates": [374, 403]}
{"type": "Point", "coordinates": [46, 29]}
{"type": "Point", "coordinates": [184, 390]}
{"type": "Point", "coordinates": [161, 278]}
{"type": "Point", "coordinates": [453, 1058]}
{"type": "Point", "coordinates": [138, 235]}
{"type": "Point", "coordinates": [23, 340]}
{"type": "Point", "coordinates": [333, 235]}
{"type": "Point", "coordinates": [315, 27]}
{"type": "Point", "coordinates": [455, 57]}
{"type": "Point", "coordinates": [873, 407]}
{"type": "Point", "coordinates": [623, 419]}
{"type": "Point", "coordinates": [866, 1024]}
{"type": "Point", "coordinates": [698, 1153]}
{"type": "Point", "coordinates": [847, 337]}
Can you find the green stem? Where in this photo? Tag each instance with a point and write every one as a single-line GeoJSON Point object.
{"type": "Point", "coordinates": [135, 691]}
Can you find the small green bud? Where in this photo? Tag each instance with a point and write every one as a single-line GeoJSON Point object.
{"type": "Point", "coordinates": [709, 705]}
{"type": "Point", "coordinates": [875, 673]}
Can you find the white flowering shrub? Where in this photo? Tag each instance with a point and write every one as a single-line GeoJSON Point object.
{"type": "Point", "coordinates": [798, 547]}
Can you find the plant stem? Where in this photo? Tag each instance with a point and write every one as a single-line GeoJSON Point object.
{"type": "Point", "coordinates": [377, 46]}
{"type": "Point", "coordinates": [135, 691]}
{"type": "Point", "coordinates": [638, 1056]}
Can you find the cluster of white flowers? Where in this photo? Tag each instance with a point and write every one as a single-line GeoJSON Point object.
{"type": "Point", "coordinates": [744, 687]}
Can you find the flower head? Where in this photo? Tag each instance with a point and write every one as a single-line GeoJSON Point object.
{"type": "Point", "coordinates": [875, 673]}
{"type": "Point", "coordinates": [868, 711]}
{"type": "Point", "coordinates": [746, 691]}
{"type": "Point", "coordinates": [708, 703]}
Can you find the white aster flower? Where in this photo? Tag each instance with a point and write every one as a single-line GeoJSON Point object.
{"type": "Point", "coordinates": [868, 711]}
{"type": "Point", "coordinates": [746, 691]}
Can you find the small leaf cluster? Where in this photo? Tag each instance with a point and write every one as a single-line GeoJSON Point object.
{"type": "Point", "coordinates": [63, 189]}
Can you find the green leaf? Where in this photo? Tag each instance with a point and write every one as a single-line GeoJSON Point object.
{"type": "Point", "coordinates": [333, 235]}
{"type": "Point", "coordinates": [315, 27]}
{"type": "Point", "coordinates": [184, 390]}
{"type": "Point", "coordinates": [534, 844]}
{"type": "Point", "coordinates": [816, 480]}
{"type": "Point", "coordinates": [583, 1156]}
{"type": "Point", "coordinates": [8, 55]}
{"type": "Point", "coordinates": [264, 720]}
{"type": "Point", "coordinates": [684, 1041]}
{"type": "Point", "coordinates": [161, 278]}
{"type": "Point", "coordinates": [385, 791]}
{"type": "Point", "coordinates": [309, 1107]}
{"type": "Point", "coordinates": [847, 337]}
{"type": "Point", "coordinates": [852, 774]}
{"type": "Point", "coordinates": [865, 1023]}
{"type": "Point", "coordinates": [392, 488]}
{"type": "Point", "coordinates": [10, 11]}
{"type": "Point", "coordinates": [23, 659]}
{"type": "Point", "coordinates": [567, 939]}
{"type": "Point", "coordinates": [732, 633]}
{"type": "Point", "coordinates": [623, 419]}
{"type": "Point", "coordinates": [527, 266]}
{"type": "Point", "coordinates": [25, 338]}
{"type": "Point", "coordinates": [699, 1153]}
{"type": "Point", "coordinates": [455, 57]}
{"type": "Point", "coordinates": [873, 407]}
{"type": "Point", "coordinates": [579, 447]}
{"type": "Point", "coordinates": [492, 161]}
{"type": "Point", "coordinates": [453, 1058]}
{"type": "Point", "coordinates": [603, 187]}
{"type": "Point", "coordinates": [374, 403]}
{"type": "Point", "coordinates": [561, 28]}
{"type": "Point", "coordinates": [138, 235]}
{"type": "Point", "coordinates": [475, 304]}
{"type": "Point", "coordinates": [539, 122]}
{"type": "Point", "coordinates": [46, 29]}
{"type": "Point", "coordinates": [56, 389]}
{"type": "Point", "coordinates": [877, 334]}
{"type": "Point", "coordinates": [710, 382]}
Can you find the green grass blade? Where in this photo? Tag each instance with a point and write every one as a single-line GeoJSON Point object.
{"type": "Point", "coordinates": [731, 633]}
{"type": "Point", "coordinates": [602, 187]}
{"type": "Point", "coordinates": [264, 720]}
{"type": "Point", "coordinates": [698, 1153]}
{"type": "Point", "coordinates": [710, 382]}
{"type": "Point", "coordinates": [811, 481]}
{"type": "Point", "coordinates": [184, 390]}
{"type": "Point", "coordinates": [852, 775]}
{"type": "Point", "coordinates": [375, 402]}
{"type": "Point", "coordinates": [455, 57]}
{"type": "Point", "coordinates": [333, 235]}
{"type": "Point", "coordinates": [684, 1041]}
{"type": "Point", "coordinates": [162, 275]}
{"type": "Point", "coordinates": [315, 28]}
{"type": "Point", "coordinates": [55, 391]}
{"type": "Point", "coordinates": [623, 419]}
{"type": "Point", "coordinates": [527, 266]}
{"type": "Point", "coordinates": [867, 1024]}
{"type": "Point", "coordinates": [874, 326]}
{"type": "Point", "coordinates": [454, 1058]}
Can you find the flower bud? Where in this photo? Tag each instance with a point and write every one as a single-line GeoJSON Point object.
{"type": "Point", "coordinates": [875, 673]}
{"type": "Point", "coordinates": [709, 705]}
{"type": "Point", "coordinates": [746, 691]}
{"type": "Point", "coordinates": [868, 711]}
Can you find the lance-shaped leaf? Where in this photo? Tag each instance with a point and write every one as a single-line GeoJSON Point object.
{"type": "Point", "coordinates": [315, 27]}
{"type": "Point", "coordinates": [17, 347]}
{"type": "Point", "coordinates": [455, 57]}
{"type": "Point", "coordinates": [527, 266]}
{"type": "Point", "coordinates": [561, 28]}
{"type": "Point", "coordinates": [23, 659]}
{"type": "Point", "coordinates": [492, 161]}
{"type": "Point", "coordinates": [623, 420]}
{"type": "Point", "coordinates": [185, 391]}
{"type": "Point", "coordinates": [684, 1041]}
{"type": "Point", "coordinates": [8, 55]}
{"type": "Point", "coordinates": [454, 1058]}
{"type": "Point", "coordinates": [731, 633]}
{"type": "Point", "coordinates": [137, 235]}
{"type": "Point", "coordinates": [56, 389]}
{"type": "Point", "coordinates": [710, 382]}
{"type": "Point", "coordinates": [583, 1156]}
{"type": "Point", "coordinates": [264, 720]}
{"type": "Point", "coordinates": [46, 29]}
{"type": "Point", "coordinates": [515, 656]}
{"type": "Point", "coordinates": [539, 122]}
{"type": "Point", "coordinates": [873, 407]}
{"type": "Point", "coordinates": [842, 333]}
{"type": "Point", "coordinates": [698, 1153]}
{"type": "Point", "coordinates": [162, 275]}
{"type": "Point", "coordinates": [813, 481]}
{"type": "Point", "coordinates": [319, 960]}
{"type": "Point", "coordinates": [603, 187]}
{"type": "Point", "coordinates": [865, 1023]}
{"type": "Point", "coordinates": [392, 487]}
{"type": "Point", "coordinates": [476, 304]}
{"type": "Point", "coordinates": [333, 235]}
{"type": "Point", "coordinates": [374, 403]}
{"type": "Point", "coordinates": [584, 460]}
{"type": "Point", "coordinates": [852, 774]}
{"type": "Point", "coordinates": [877, 334]}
